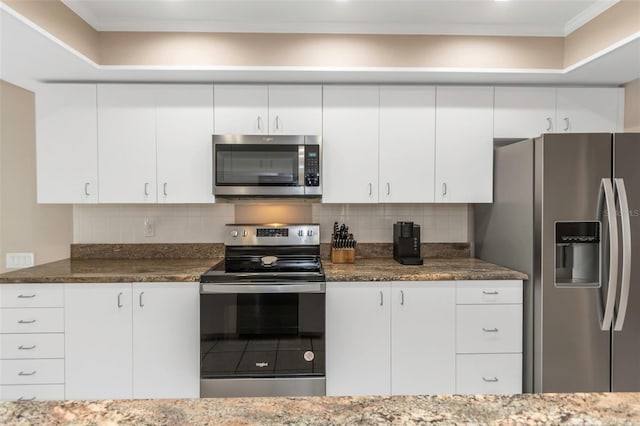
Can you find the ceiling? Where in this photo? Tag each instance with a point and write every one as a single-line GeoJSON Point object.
{"type": "Point", "coordinates": [469, 17]}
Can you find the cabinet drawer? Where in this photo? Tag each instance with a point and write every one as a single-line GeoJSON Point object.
{"type": "Point", "coordinates": [488, 328]}
{"type": "Point", "coordinates": [31, 392]}
{"type": "Point", "coordinates": [495, 292]}
{"type": "Point", "coordinates": [31, 345]}
{"type": "Point", "coordinates": [31, 296]}
{"type": "Point", "coordinates": [494, 374]}
{"type": "Point", "coordinates": [32, 320]}
{"type": "Point", "coordinates": [31, 371]}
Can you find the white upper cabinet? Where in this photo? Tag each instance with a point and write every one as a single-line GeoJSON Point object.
{"type": "Point", "coordinates": [593, 109]}
{"type": "Point", "coordinates": [295, 110]}
{"type": "Point", "coordinates": [350, 144]}
{"type": "Point", "coordinates": [126, 143]}
{"type": "Point", "coordinates": [184, 129]}
{"type": "Point", "coordinates": [241, 109]}
{"type": "Point", "coordinates": [263, 109]}
{"type": "Point", "coordinates": [407, 144]}
{"type": "Point", "coordinates": [66, 143]}
{"type": "Point", "coordinates": [524, 112]}
{"type": "Point", "coordinates": [464, 144]}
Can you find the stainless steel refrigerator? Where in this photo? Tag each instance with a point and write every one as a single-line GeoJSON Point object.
{"type": "Point", "coordinates": [566, 211]}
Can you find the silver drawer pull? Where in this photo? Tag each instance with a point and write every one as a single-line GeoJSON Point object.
{"type": "Point", "coordinates": [489, 292]}
{"type": "Point", "coordinates": [26, 348]}
{"type": "Point", "coordinates": [490, 330]}
{"type": "Point", "coordinates": [495, 379]}
{"type": "Point", "coordinates": [23, 399]}
{"type": "Point", "coordinates": [26, 321]}
{"type": "Point", "coordinates": [26, 296]}
{"type": "Point", "coordinates": [22, 373]}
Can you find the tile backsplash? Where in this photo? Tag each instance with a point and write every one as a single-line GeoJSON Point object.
{"type": "Point", "coordinates": [370, 223]}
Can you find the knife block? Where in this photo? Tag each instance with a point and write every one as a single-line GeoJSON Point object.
{"type": "Point", "coordinates": [343, 255]}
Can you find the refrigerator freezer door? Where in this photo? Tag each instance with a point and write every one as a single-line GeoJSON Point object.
{"type": "Point", "coordinates": [572, 353]}
{"type": "Point", "coordinates": [626, 343]}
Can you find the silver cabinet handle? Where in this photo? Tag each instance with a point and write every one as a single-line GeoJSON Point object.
{"type": "Point", "coordinates": [259, 121]}
{"type": "Point", "coordinates": [489, 292]}
{"type": "Point", "coordinates": [23, 399]}
{"type": "Point", "coordinates": [26, 348]}
{"type": "Point", "coordinates": [549, 124]}
{"type": "Point", "coordinates": [388, 188]}
{"type": "Point", "coordinates": [26, 296]}
{"type": "Point", "coordinates": [86, 188]}
{"type": "Point", "coordinates": [119, 301]}
{"type": "Point", "coordinates": [164, 188]}
{"type": "Point", "coordinates": [495, 379]}
{"type": "Point", "coordinates": [401, 297]}
{"type": "Point", "coordinates": [381, 298]}
{"type": "Point", "coordinates": [444, 188]}
{"type": "Point", "coordinates": [625, 280]}
{"type": "Point", "coordinates": [23, 373]}
{"type": "Point", "coordinates": [146, 188]}
{"type": "Point", "coordinates": [605, 196]}
{"type": "Point", "coordinates": [490, 330]}
{"type": "Point", "coordinates": [26, 321]}
{"type": "Point", "coordinates": [140, 300]}
{"type": "Point", "coordinates": [566, 124]}
{"type": "Point", "coordinates": [277, 123]}
{"type": "Point", "coordinates": [370, 189]}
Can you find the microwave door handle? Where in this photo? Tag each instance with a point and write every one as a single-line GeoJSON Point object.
{"type": "Point", "coordinates": [301, 172]}
{"type": "Point", "coordinates": [626, 254]}
{"type": "Point", "coordinates": [606, 197]}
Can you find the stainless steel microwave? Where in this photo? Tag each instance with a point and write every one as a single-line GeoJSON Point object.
{"type": "Point", "coordinates": [255, 165]}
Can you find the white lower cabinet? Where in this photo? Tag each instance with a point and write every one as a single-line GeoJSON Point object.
{"type": "Point", "coordinates": [132, 340]}
{"type": "Point", "coordinates": [380, 338]}
{"type": "Point", "coordinates": [424, 337]}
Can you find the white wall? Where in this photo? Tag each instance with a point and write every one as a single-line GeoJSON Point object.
{"type": "Point", "coordinates": [204, 223]}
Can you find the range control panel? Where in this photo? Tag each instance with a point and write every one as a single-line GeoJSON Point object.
{"type": "Point", "coordinates": [272, 234]}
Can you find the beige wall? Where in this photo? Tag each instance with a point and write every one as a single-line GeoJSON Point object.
{"type": "Point", "coordinates": [632, 106]}
{"type": "Point", "coordinates": [205, 223]}
{"type": "Point", "coordinates": [25, 226]}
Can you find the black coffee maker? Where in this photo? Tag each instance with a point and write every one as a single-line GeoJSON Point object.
{"type": "Point", "coordinates": [406, 243]}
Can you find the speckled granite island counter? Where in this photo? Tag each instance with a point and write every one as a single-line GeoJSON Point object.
{"type": "Point", "coordinates": [597, 408]}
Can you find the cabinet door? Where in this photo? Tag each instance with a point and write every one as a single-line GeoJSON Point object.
{"type": "Point", "coordinates": [241, 109]}
{"type": "Point", "coordinates": [423, 351]}
{"type": "Point", "coordinates": [126, 143]}
{"type": "Point", "coordinates": [407, 144]}
{"type": "Point", "coordinates": [184, 129]}
{"type": "Point", "coordinates": [524, 112]}
{"type": "Point", "coordinates": [295, 110]}
{"type": "Point", "coordinates": [98, 358]}
{"type": "Point", "coordinates": [166, 340]}
{"type": "Point", "coordinates": [357, 338]}
{"type": "Point", "coordinates": [592, 109]}
{"type": "Point", "coordinates": [464, 145]}
{"type": "Point", "coordinates": [67, 143]}
{"type": "Point", "coordinates": [350, 144]}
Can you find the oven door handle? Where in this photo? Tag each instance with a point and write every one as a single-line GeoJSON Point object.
{"type": "Point", "coordinates": [218, 288]}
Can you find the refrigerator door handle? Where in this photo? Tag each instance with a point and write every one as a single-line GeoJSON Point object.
{"type": "Point", "coordinates": [626, 254]}
{"type": "Point", "coordinates": [606, 192]}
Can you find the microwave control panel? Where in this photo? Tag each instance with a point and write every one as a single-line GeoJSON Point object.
{"type": "Point", "coordinates": [312, 165]}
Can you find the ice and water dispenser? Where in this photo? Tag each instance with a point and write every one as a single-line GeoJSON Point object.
{"type": "Point", "coordinates": [577, 257]}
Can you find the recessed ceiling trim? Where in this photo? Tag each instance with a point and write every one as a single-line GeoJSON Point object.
{"type": "Point", "coordinates": [587, 15]}
{"type": "Point", "coordinates": [83, 11]}
{"type": "Point", "coordinates": [606, 50]}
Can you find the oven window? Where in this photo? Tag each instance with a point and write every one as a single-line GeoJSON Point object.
{"type": "Point", "coordinates": [262, 335]}
{"type": "Point", "coordinates": [256, 165]}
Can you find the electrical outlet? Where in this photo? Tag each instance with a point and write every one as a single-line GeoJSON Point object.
{"type": "Point", "coordinates": [19, 260]}
{"type": "Point", "coordinates": [149, 227]}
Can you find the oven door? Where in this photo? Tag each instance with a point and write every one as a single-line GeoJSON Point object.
{"type": "Point", "coordinates": [262, 340]}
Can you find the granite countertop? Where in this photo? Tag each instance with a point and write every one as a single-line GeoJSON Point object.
{"type": "Point", "coordinates": [169, 270]}
{"type": "Point", "coordinates": [578, 408]}
{"type": "Point", "coordinates": [384, 269]}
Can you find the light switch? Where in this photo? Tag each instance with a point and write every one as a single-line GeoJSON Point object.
{"type": "Point", "coordinates": [19, 260]}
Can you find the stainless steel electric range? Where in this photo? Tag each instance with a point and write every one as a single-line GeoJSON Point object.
{"type": "Point", "coordinates": [262, 314]}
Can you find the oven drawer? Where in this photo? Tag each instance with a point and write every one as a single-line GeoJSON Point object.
{"type": "Point", "coordinates": [31, 392]}
{"type": "Point", "coordinates": [31, 371]}
{"type": "Point", "coordinates": [31, 296]}
{"type": "Point", "coordinates": [32, 320]}
{"type": "Point", "coordinates": [31, 345]}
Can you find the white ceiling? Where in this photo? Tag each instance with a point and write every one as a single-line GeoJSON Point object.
{"type": "Point", "coordinates": [472, 17]}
